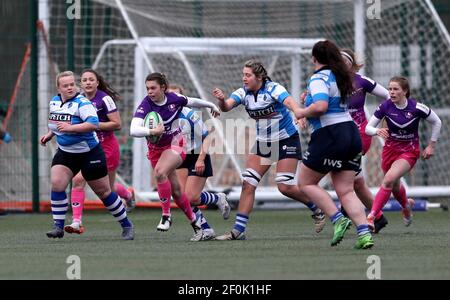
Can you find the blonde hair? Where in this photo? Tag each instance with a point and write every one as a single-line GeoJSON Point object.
{"type": "Point", "coordinates": [176, 87]}
{"type": "Point", "coordinates": [63, 74]}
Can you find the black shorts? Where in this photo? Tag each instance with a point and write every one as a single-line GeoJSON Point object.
{"type": "Point", "coordinates": [334, 148]}
{"type": "Point", "coordinates": [92, 164]}
{"type": "Point", "coordinates": [276, 151]}
{"type": "Point", "coordinates": [189, 163]}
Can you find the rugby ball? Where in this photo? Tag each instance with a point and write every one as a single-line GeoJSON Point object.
{"type": "Point", "coordinates": [151, 120]}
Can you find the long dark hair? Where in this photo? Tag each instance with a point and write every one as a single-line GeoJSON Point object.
{"type": "Point", "coordinates": [103, 85]}
{"type": "Point", "coordinates": [327, 53]}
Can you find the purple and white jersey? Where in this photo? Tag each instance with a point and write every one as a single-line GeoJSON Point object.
{"type": "Point", "coordinates": [169, 110]}
{"type": "Point", "coordinates": [362, 85]}
{"type": "Point", "coordinates": [104, 105]}
{"type": "Point", "coordinates": [403, 124]}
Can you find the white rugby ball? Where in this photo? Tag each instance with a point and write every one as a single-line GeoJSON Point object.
{"type": "Point", "coordinates": [151, 120]}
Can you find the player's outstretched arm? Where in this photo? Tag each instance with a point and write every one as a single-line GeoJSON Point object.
{"type": "Point", "coordinates": [200, 103]}
{"type": "Point", "coordinates": [380, 92]}
{"type": "Point", "coordinates": [225, 105]}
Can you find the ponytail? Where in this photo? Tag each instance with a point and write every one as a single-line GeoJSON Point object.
{"type": "Point", "coordinates": [327, 53]}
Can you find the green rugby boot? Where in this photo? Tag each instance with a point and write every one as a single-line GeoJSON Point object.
{"type": "Point", "coordinates": [341, 226]}
{"type": "Point", "coordinates": [364, 241]}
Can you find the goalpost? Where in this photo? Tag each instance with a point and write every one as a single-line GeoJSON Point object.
{"type": "Point", "coordinates": [295, 51]}
{"type": "Point", "coordinates": [199, 64]}
{"type": "Point", "coordinates": [180, 49]}
{"type": "Point", "coordinates": [392, 37]}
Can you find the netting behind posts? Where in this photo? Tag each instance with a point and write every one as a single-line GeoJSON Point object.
{"type": "Point", "coordinates": [403, 38]}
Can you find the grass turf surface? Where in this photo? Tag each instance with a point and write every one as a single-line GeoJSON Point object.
{"type": "Point", "coordinates": [279, 245]}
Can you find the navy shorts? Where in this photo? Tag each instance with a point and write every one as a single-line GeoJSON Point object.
{"type": "Point", "coordinates": [276, 151]}
{"type": "Point", "coordinates": [336, 147]}
{"type": "Point", "coordinates": [92, 164]}
{"type": "Point", "coordinates": [189, 163]}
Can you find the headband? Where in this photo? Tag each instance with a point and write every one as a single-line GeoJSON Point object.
{"type": "Point", "coordinates": [348, 56]}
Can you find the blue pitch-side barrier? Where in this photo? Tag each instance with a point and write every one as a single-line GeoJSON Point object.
{"type": "Point", "coordinates": [393, 205]}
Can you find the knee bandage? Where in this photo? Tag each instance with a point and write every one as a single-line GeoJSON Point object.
{"type": "Point", "coordinates": [251, 176]}
{"type": "Point", "coordinates": [285, 178]}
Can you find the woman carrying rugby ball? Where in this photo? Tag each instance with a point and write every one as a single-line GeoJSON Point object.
{"type": "Point", "coordinates": [169, 151]}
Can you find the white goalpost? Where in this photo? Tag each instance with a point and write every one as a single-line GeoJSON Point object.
{"type": "Point", "coordinates": [203, 44]}
{"type": "Point", "coordinates": [180, 49]}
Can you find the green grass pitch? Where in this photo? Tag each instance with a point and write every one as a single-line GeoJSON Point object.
{"type": "Point", "coordinates": [279, 245]}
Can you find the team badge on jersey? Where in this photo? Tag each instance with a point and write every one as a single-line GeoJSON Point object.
{"type": "Point", "coordinates": [172, 107]}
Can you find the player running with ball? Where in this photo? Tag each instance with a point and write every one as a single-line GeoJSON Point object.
{"type": "Point", "coordinates": [169, 151]}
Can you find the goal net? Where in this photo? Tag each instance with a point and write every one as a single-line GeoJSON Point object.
{"type": "Point", "coordinates": [203, 44]}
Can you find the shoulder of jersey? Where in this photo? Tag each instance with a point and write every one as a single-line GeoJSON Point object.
{"type": "Point", "coordinates": [384, 104]}
{"type": "Point", "coordinates": [320, 76]}
{"type": "Point", "coordinates": [179, 95]}
{"type": "Point", "coordinates": [422, 107]}
{"type": "Point", "coordinates": [367, 79]}
{"type": "Point", "coordinates": [82, 99]}
{"type": "Point", "coordinates": [240, 93]}
{"type": "Point", "coordinates": [56, 98]}
{"type": "Point", "coordinates": [107, 98]}
{"type": "Point", "coordinates": [104, 96]}
{"type": "Point", "coordinates": [270, 85]}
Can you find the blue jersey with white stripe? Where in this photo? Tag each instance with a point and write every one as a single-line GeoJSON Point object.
{"type": "Point", "coordinates": [273, 120]}
{"type": "Point", "coordinates": [193, 128]}
{"type": "Point", "coordinates": [74, 111]}
{"type": "Point", "coordinates": [322, 86]}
